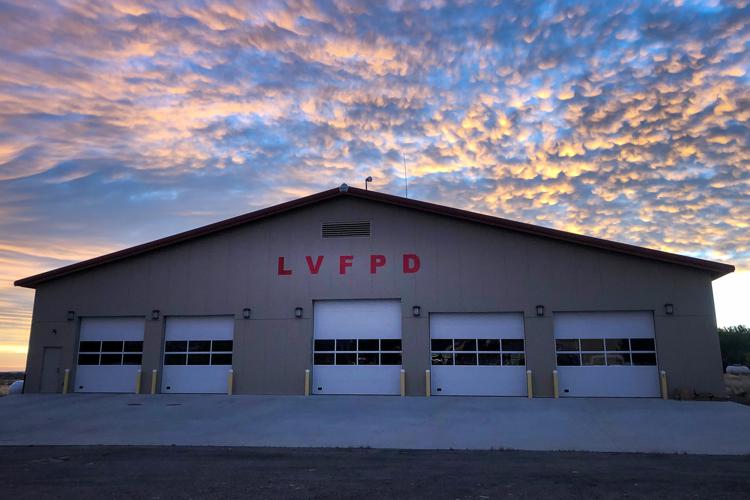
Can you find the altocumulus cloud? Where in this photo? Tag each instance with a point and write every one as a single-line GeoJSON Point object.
{"type": "Point", "coordinates": [123, 121]}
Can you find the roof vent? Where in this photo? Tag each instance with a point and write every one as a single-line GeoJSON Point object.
{"type": "Point", "coordinates": [343, 188]}
{"type": "Point", "coordinates": [350, 229]}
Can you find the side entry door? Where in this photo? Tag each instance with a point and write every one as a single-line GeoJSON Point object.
{"type": "Point", "coordinates": [51, 376]}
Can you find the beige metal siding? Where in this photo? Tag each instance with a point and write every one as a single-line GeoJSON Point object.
{"type": "Point", "coordinates": [465, 267]}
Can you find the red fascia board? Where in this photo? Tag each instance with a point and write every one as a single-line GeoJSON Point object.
{"type": "Point", "coordinates": [32, 281]}
{"type": "Point", "coordinates": [649, 253]}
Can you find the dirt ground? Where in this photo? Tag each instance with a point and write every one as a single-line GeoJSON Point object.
{"type": "Point", "coordinates": [738, 388]}
{"type": "Point", "coordinates": [7, 378]}
{"type": "Point", "coordinates": [209, 472]}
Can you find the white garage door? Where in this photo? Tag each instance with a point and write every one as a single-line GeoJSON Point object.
{"type": "Point", "coordinates": [110, 353]}
{"type": "Point", "coordinates": [197, 354]}
{"type": "Point", "coordinates": [477, 354]}
{"type": "Point", "coordinates": [357, 347]}
{"type": "Point", "coordinates": [606, 354]}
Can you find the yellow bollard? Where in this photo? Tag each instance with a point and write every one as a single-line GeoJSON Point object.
{"type": "Point", "coordinates": [663, 380]}
{"type": "Point", "coordinates": [230, 382]}
{"type": "Point", "coordinates": [555, 384]}
{"type": "Point", "coordinates": [138, 377]}
{"type": "Point", "coordinates": [307, 382]}
{"type": "Point", "coordinates": [403, 382]}
{"type": "Point", "coordinates": [529, 387]}
{"type": "Point", "coordinates": [66, 381]}
{"type": "Point", "coordinates": [427, 383]}
{"type": "Point", "coordinates": [153, 381]}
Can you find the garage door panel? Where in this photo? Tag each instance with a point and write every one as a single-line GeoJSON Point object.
{"type": "Point", "coordinates": [384, 380]}
{"type": "Point", "coordinates": [481, 325]}
{"type": "Point", "coordinates": [606, 354]}
{"type": "Point", "coordinates": [106, 378]}
{"type": "Point", "coordinates": [110, 353]}
{"type": "Point", "coordinates": [477, 354]}
{"type": "Point", "coordinates": [195, 379]}
{"type": "Point", "coordinates": [479, 380]}
{"type": "Point", "coordinates": [200, 328]}
{"type": "Point", "coordinates": [343, 319]}
{"type": "Point", "coordinates": [197, 354]}
{"type": "Point", "coordinates": [112, 328]}
{"type": "Point", "coordinates": [624, 324]}
{"type": "Point", "coordinates": [609, 381]}
{"type": "Point", "coordinates": [357, 347]}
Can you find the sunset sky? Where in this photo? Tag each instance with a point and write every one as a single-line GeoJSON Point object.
{"type": "Point", "coordinates": [124, 121]}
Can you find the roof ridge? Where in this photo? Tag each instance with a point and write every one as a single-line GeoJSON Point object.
{"type": "Point", "coordinates": [717, 268]}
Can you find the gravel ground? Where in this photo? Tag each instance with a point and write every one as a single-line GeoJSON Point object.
{"type": "Point", "coordinates": [204, 472]}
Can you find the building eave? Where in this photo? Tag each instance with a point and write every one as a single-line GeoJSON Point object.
{"type": "Point", "coordinates": [716, 269]}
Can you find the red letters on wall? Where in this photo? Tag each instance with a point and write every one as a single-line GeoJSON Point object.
{"type": "Point", "coordinates": [282, 271]}
{"type": "Point", "coordinates": [376, 261]}
{"type": "Point", "coordinates": [344, 262]}
{"type": "Point", "coordinates": [314, 268]}
{"type": "Point", "coordinates": [410, 264]}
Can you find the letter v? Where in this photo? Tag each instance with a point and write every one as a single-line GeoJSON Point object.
{"type": "Point", "coordinates": [314, 269]}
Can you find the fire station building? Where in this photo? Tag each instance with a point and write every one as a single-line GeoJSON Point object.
{"type": "Point", "coordinates": [355, 292]}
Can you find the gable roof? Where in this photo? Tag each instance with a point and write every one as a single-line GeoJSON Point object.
{"type": "Point", "coordinates": [717, 269]}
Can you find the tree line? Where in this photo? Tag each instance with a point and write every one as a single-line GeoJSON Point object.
{"type": "Point", "coordinates": [735, 345]}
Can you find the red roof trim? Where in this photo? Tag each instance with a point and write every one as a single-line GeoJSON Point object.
{"type": "Point", "coordinates": [717, 268]}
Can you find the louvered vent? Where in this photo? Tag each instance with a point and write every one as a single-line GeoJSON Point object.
{"type": "Point", "coordinates": [348, 229]}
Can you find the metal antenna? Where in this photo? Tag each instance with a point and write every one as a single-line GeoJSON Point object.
{"type": "Point", "coordinates": [406, 177]}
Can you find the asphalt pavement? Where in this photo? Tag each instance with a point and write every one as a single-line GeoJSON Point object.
{"type": "Point", "coordinates": [96, 472]}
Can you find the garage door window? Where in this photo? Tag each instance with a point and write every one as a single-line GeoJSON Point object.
{"type": "Point", "coordinates": [198, 352]}
{"type": "Point", "coordinates": [606, 352]}
{"type": "Point", "coordinates": [357, 352]}
{"type": "Point", "coordinates": [483, 352]}
{"type": "Point", "coordinates": [110, 352]}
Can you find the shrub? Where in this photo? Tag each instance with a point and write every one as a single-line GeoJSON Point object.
{"type": "Point", "coordinates": [735, 345]}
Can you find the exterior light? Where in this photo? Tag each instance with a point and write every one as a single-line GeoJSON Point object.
{"type": "Point", "coordinates": [54, 331]}
{"type": "Point", "coordinates": [369, 179]}
{"type": "Point", "coordinates": [155, 314]}
{"type": "Point", "coordinates": [71, 315]}
{"type": "Point", "coordinates": [246, 313]}
{"type": "Point", "coordinates": [540, 310]}
{"type": "Point", "coordinates": [298, 312]}
{"type": "Point", "coordinates": [669, 309]}
{"type": "Point", "coordinates": [416, 311]}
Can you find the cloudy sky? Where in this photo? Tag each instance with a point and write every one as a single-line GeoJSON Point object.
{"type": "Point", "coordinates": [124, 121]}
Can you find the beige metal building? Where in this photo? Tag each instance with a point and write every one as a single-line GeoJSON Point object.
{"type": "Point", "coordinates": [366, 290]}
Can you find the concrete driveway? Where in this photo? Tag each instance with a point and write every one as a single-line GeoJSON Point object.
{"type": "Point", "coordinates": [614, 425]}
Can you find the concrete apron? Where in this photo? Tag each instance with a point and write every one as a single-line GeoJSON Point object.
{"type": "Point", "coordinates": [480, 423]}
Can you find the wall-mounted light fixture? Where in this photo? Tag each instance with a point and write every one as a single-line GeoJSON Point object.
{"type": "Point", "coordinates": [155, 314]}
{"type": "Point", "coordinates": [71, 315]}
{"type": "Point", "coordinates": [669, 309]}
{"type": "Point", "coordinates": [54, 331]}
{"type": "Point", "coordinates": [540, 310]}
{"type": "Point", "coordinates": [298, 312]}
{"type": "Point", "coordinates": [416, 311]}
{"type": "Point", "coordinates": [246, 313]}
